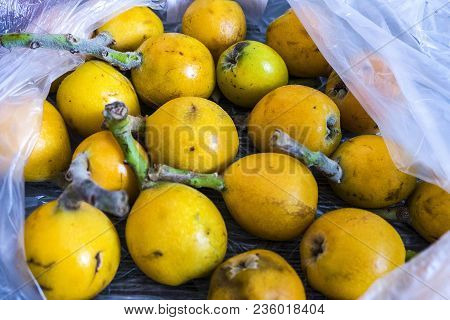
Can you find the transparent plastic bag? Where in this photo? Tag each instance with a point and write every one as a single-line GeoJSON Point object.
{"type": "Point", "coordinates": [394, 57]}
{"type": "Point", "coordinates": [25, 79]}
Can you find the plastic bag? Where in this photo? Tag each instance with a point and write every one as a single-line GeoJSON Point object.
{"type": "Point", "coordinates": [424, 277]}
{"type": "Point", "coordinates": [393, 56]}
{"type": "Point", "coordinates": [25, 80]}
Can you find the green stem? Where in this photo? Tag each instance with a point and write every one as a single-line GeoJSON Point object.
{"type": "Point", "coordinates": [97, 46]}
{"type": "Point", "coordinates": [82, 188]}
{"type": "Point", "coordinates": [119, 123]}
{"type": "Point", "coordinates": [396, 214]}
{"type": "Point", "coordinates": [197, 180]}
{"type": "Point", "coordinates": [330, 168]}
{"type": "Point", "coordinates": [410, 254]}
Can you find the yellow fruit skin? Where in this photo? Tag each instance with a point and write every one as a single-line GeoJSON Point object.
{"type": "Point", "coordinates": [370, 178]}
{"type": "Point", "coordinates": [175, 234]}
{"type": "Point", "coordinates": [429, 211]}
{"type": "Point", "coordinates": [287, 36]}
{"type": "Point", "coordinates": [51, 153]}
{"type": "Point", "coordinates": [72, 254]}
{"type": "Point", "coordinates": [174, 65]}
{"type": "Point", "coordinates": [218, 24]}
{"type": "Point", "coordinates": [300, 111]}
{"type": "Point", "coordinates": [132, 27]}
{"type": "Point", "coordinates": [192, 133]}
{"type": "Point", "coordinates": [106, 163]}
{"type": "Point", "coordinates": [271, 279]}
{"type": "Point", "coordinates": [271, 195]}
{"type": "Point", "coordinates": [346, 250]}
{"type": "Point", "coordinates": [248, 70]}
{"type": "Point", "coordinates": [83, 94]}
{"type": "Point", "coordinates": [353, 116]}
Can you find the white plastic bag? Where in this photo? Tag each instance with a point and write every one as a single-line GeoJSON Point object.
{"type": "Point", "coordinates": [394, 57]}
{"type": "Point", "coordinates": [25, 80]}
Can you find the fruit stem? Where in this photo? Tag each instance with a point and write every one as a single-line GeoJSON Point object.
{"type": "Point", "coordinates": [330, 168]}
{"type": "Point", "coordinates": [400, 214]}
{"type": "Point", "coordinates": [197, 180]}
{"type": "Point", "coordinates": [82, 188]}
{"type": "Point", "coordinates": [120, 124]}
{"type": "Point", "coordinates": [410, 254]}
{"type": "Point", "coordinates": [97, 46]}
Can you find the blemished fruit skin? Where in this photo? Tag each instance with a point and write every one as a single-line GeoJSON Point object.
{"type": "Point", "coordinates": [353, 116]}
{"type": "Point", "coordinates": [429, 211]}
{"type": "Point", "coordinates": [174, 65]}
{"type": "Point", "coordinates": [132, 27]}
{"type": "Point", "coordinates": [218, 24]}
{"type": "Point", "coordinates": [248, 70]}
{"type": "Point", "coordinates": [83, 94]}
{"type": "Point", "coordinates": [306, 114]}
{"type": "Point", "coordinates": [370, 177]}
{"type": "Point", "coordinates": [51, 153]}
{"type": "Point", "coordinates": [346, 250]}
{"type": "Point", "coordinates": [271, 195]}
{"type": "Point", "coordinates": [193, 134]}
{"type": "Point", "coordinates": [287, 36]}
{"type": "Point", "coordinates": [174, 234]}
{"type": "Point", "coordinates": [107, 163]}
{"type": "Point", "coordinates": [73, 254]}
{"type": "Point", "coordinates": [256, 275]}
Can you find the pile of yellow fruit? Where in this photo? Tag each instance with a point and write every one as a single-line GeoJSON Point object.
{"type": "Point", "coordinates": [174, 233]}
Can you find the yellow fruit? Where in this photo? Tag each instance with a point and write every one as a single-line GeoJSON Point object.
{"type": "Point", "coordinates": [132, 27]}
{"type": "Point", "coordinates": [106, 163]}
{"type": "Point", "coordinates": [271, 195]}
{"type": "Point", "coordinates": [175, 234]}
{"type": "Point", "coordinates": [193, 134]}
{"type": "Point", "coordinates": [256, 275]}
{"type": "Point", "coordinates": [429, 211]}
{"type": "Point", "coordinates": [287, 36]}
{"type": "Point", "coordinates": [346, 250]}
{"type": "Point", "coordinates": [370, 178]}
{"type": "Point", "coordinates": [248, 70]}
{"type": "Point", "coordinates": [74, 254]}
{"type": "Point", "coordinates": [83, 94]}
{"type": "Point", "coordinates": [353, 116]}
{"type": "Point", "coordinates": [307, 115]}
{"type": "Point", "coordinates": [174, 65]}
{"type": "Point", "coordinates": [218, 24]}
{"type": "Point", "coordinates": [51, 153]}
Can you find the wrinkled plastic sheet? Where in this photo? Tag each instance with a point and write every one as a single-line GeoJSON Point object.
{"type": "Point", "coordinates": [130, 283]}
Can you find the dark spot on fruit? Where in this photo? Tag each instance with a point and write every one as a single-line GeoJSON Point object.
{"type": "Point", "coordinates": [99, 260]}
{"type": "Point", "coordinates": [181, 53]}
{"type": "Point", "coordinates": [318, 246]}
{"type": "Point", "coordinates": [45, 288]}
{"type": "Point", "coordinates": [192, 148]}
{"type": "Point", "coordinates": [154, 255]}
{"type": "Point", "coordinates": [40, 264]}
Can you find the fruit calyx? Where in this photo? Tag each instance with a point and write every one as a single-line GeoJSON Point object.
{"type": "Point", "coordinates": [232, 57]}
{"type": "Point", "coordinates": [250, 262]}
{"type": "Point", "coordinates": [340, 90]}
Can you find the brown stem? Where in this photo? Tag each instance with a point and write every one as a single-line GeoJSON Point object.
{"type": "Point", "coordinates": [82, 188]}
